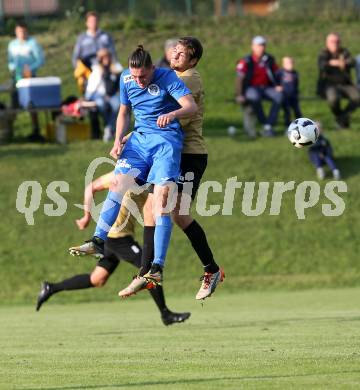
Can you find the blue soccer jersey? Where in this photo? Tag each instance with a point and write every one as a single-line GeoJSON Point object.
{"type": "Point", "coordinates": [159, 98]}
{"type": "Point", "coordinates": [152, 154]}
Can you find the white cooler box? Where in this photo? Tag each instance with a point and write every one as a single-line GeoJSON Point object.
{"type": "Point", "coordinates": [41, 92]}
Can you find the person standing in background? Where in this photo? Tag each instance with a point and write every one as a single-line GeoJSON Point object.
{"type": "Point", "coordinates": [25, 57]}
{"type": "Point", "coordinates": [91, 41]}
{"type": "Point", "coordinates": [84, 58]}
{"type": "Point", "coordinates": [289, 82]}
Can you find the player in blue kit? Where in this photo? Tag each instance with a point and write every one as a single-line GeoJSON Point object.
{"type": "Point", "coordinates": [158, 99]}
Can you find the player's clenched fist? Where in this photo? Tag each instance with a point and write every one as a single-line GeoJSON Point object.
{"type": "Point", "coordinates": [164, 120]}
{"type": "Point", "coordinates": [116, 150]}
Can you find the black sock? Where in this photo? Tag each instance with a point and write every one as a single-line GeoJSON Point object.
{"type": "Point", "coordinates": [98, 240]}
{"type": "Point", "coordinates": [148, 250]}
{"type": "Point", "coordinates": [198, 240]}
{"type": "Point", "coordinates": [77, 282]}
{"type": "Point", "coordinates": [155, 268]}
{"type": "Point", "coordinates": [159, 298]}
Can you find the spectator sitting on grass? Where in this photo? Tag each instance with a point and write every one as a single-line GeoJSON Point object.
{"type": "Point", "coordinates": [256, 80]}
{"type": "Point", "coordinates": [321, 154]}
{"type": "Point", "coordinates": [25, 57]}
{"type": "Point", "coordinates": [288, 78]}
{"type": "Point", "coordinates": [357, 71]}
{"type": "Point", "coordinates": [335, 63]}
{"type": "Point", "coordinates": [103, 88]}
{"type": "Point", "coordinates": [169, 46]}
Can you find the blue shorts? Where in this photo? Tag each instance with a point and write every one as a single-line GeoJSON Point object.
{"type": "Point", "coordinates": [152, 157]}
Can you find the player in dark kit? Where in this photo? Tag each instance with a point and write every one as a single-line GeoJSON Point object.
{"type": "Point", "coordinates": [120, 245]}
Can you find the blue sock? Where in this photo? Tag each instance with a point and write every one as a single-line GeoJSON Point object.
{"type": "Point", "coordinates": [108, 215]}
{"type": "Point", "coordinates": [162, 235]}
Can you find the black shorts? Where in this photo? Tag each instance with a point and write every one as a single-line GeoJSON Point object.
{"type": "Point", "coordinates": [123, 248]}
{"type": "Point", "coordinates": [195, 163]}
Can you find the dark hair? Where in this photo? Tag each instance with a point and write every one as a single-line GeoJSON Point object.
{"type": "Point", "coordinates": [140, 58]}
{"type": "Point", "coordinates": [193, 46]}
{"type": "Point", "coordinates": [91, 13]}
{"type": "Point", "coordinates": [22, 24]}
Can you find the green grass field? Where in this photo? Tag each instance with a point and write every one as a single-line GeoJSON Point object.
{"type": "Point", "coordinates": [256, 252]}
{"type": "Point", "coordinates": [251, 340]}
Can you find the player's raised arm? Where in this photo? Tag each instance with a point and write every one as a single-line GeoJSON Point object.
{"type": "Point", "coordinates": [99, 184]}
{"type": "Point", "coordinates": [122, 126]}
{"type": "Point", "coordinates": [188, 108]}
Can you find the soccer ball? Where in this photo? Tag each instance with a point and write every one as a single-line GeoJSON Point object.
{"type": "Point", "coordinates": [303, 132]}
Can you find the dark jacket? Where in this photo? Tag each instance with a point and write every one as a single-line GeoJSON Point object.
{"type": "Point", "coordinates": [112, 82]}
{"type": "Point", "coordinates": [322, 146]}
{"type": "Point", "coordinates": [269, 62]}
{"type": "Point", "coordinates": [289, 80]}
{"type": "Point", "coordinates": [332, 75]}
{"type": "Point", "coordinates": [162, 63]}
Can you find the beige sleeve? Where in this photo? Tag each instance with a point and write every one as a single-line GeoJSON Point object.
{"type": "Point", "coordinates": [193, 83]}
